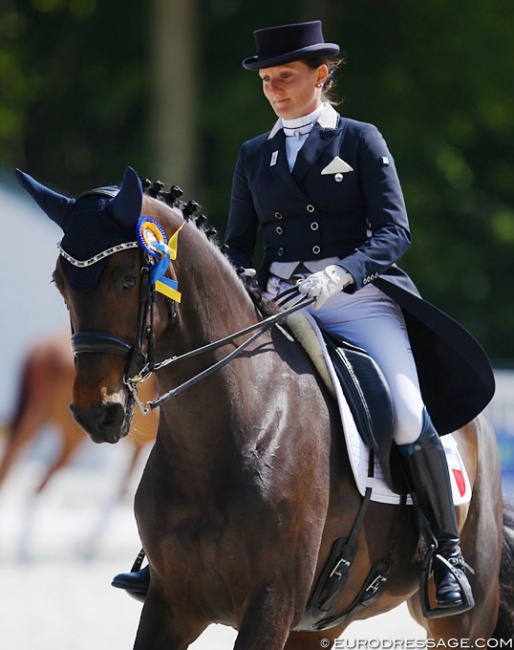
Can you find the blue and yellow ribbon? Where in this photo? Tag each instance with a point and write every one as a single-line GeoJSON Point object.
{"type": "Point", "coordinates": [152, 239]}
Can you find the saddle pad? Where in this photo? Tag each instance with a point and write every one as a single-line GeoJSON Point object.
{"type": "Point", "coordinates": [358, 452]}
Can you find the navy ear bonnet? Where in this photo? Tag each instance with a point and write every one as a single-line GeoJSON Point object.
{"type": "Point", "coordinates": [92, 223]}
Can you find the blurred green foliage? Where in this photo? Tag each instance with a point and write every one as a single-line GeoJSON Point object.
{"type": "Point", "coordinates": [73, 89]}
{"type": "Point", "coordinates": [436, 78]}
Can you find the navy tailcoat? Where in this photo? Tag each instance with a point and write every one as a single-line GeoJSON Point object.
{"type": "Point", "coordinates": [343, 198]}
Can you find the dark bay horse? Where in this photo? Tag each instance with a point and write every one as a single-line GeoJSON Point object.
{"type": "Point", "coordinates": [249, 482]}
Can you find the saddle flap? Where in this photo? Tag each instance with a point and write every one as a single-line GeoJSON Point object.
{"type": "Point", "coordinates": [370, 402]}
{"type": "Point", "coordinates": [365, 389]}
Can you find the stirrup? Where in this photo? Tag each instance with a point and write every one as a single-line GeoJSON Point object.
{"type": "Point", "coordinates": [436, 611]}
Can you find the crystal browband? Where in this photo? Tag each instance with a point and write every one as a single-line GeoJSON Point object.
{"type": "Point", "coordinates": [99, 256]}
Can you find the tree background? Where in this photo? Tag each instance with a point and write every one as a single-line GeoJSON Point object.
{"type": "Point", "coordinates": [88, 87]}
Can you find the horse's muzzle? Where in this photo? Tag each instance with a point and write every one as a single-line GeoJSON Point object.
{"type": "Point", "coordinates": [104, 422]}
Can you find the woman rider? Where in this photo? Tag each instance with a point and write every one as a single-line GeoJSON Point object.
{"type": "Point", "coordinates": [324, 190]}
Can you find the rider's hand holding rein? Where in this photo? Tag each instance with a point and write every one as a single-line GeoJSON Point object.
{"type": "Point", "coordinates": [324, 284]}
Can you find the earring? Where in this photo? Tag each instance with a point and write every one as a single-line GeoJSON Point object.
{"type": "Point", "coordinates": [318, 85]}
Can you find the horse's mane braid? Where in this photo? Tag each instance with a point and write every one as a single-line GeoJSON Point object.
{"type": "Point", "coordinates": [190, 209]}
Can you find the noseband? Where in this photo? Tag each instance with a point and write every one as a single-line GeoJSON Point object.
{"type": "Point", "coordinates": [100, 342]}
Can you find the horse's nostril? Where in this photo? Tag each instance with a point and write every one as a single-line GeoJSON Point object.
{"type": "Point", "coordinates": [104, 423]}
{"type": "Point", "coordinates": [111, 417]}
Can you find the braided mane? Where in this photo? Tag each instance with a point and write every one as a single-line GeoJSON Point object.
{"type": "Point", "coordinates": [172, 197]}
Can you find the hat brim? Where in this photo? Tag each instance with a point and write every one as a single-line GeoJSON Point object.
{"type": "Point", "coordinates": [256, 63]}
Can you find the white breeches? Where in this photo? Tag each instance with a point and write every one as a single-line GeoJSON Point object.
{"type": "Point", "coordinates": [371, 320]}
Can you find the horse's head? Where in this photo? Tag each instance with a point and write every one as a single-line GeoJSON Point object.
{"type": "Point", "coordinates": [104, 273]}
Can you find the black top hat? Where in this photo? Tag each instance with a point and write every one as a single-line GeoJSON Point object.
{"type": "Point", "coordinates": [286, 43]}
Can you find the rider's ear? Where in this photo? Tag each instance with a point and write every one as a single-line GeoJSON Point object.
{"type": "Point", "coordinates": [55, 205]}
{"type": "Point", "coordinates": [126, 205]}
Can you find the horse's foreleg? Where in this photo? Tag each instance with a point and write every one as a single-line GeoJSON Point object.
{"type": "Point", "coordinates": [267, 620]}
{"type": "Point", "coordinates": [163, 627]}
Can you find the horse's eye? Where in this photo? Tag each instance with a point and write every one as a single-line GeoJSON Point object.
{"type": "Point", "coordinates": [124, 279]}
{"type": "Point", "coordinates": [129, 283]}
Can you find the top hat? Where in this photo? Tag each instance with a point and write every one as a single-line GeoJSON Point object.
{"type": "Point", "coordinates": [286, 43]}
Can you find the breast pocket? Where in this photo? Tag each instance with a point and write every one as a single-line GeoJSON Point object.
{"type": "Point", "coordinates": [339, 192]}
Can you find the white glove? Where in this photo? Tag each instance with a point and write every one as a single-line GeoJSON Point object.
{"type": "Point", "coordinates": [326, 283]}
{"type": "Point", "coordinates": [248, 277]}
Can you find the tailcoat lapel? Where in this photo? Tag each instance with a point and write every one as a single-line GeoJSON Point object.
{"type": "Point", "coordinates": [317, 143]}
{"type": "Point", "coordinates": [325, 136]}
{"type": "Point", "coordinates": [275, 155]}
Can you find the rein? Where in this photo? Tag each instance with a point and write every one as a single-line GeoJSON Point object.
{"type": "Point", "coordinates": [261, 327]}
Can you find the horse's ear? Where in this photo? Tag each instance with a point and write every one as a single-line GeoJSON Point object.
{"type": "Point", "coordinates": [126, 205]}
{"type": "Point", "coordinates": [55, 205]}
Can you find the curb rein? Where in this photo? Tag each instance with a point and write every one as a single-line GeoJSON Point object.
{"type": "Point", "coordinates": [108, 343]}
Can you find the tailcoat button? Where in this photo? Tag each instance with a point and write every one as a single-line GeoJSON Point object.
{"type": "Point", "coordinates": [279, 215]}
{"type": "Point", "coordinates": [316, 250]}
{"type": "Point", "coordinates": [310, 208]}
{"type": "Point", "coordinates": [279, 230]}
{"type": "Point", "coordinates": [314, 225]}
{"type": "Point", "coordinates": [280, 251]}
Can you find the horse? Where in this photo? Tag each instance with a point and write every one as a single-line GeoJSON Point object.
{"type": "Point", "coordinates": [43, 398]}
{"type": "Point", "coordinates": [249, 481]}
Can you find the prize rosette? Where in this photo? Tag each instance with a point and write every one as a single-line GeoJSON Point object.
{"type": "Point", "coordinates": [152, 239]}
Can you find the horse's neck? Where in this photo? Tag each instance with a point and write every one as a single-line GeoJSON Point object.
{"type": "Point", "coordinates": [205, 421]}
{"type": "Point", "coordinates": [215, 303]}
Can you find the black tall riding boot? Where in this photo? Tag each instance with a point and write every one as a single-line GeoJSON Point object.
{"type": "Point", "coordinates": [431, 489]}
{"type": "Point", "coordinates": [137, 582]}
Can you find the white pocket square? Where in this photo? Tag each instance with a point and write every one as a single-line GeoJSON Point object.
{"type": "Point", "coordinates": [337, 166]}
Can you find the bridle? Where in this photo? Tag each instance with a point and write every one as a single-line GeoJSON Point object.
{"type": "Point", "coordinates": [99, 342]}
{"type": "Point", "coordinates": [106, 342]}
